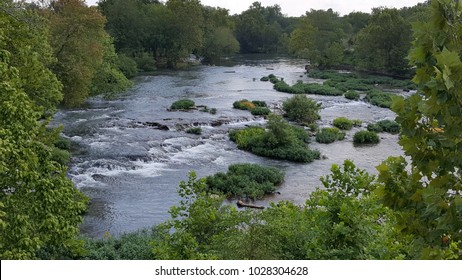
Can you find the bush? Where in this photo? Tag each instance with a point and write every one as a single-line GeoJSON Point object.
{"type": "Point", "coordinates": [260, 111]}
{"type": "Point", "coordinates": [259, 103]}
{"type": "Point", "coordinates": [279, 141]}
{"type": "Point", "coordinates": [127, 66]}
{"type": "Point", "coordinates": [352, 95]}
{"type": "Point", "coordinates": [389, 126]}
{"type": "Point", "coordinates": [145, 62]}
{"type": "Point", "coordinates": [62, 157]}
{"type": "Point", "coordinates": [366, 137]}
{"type": "Point", "coordinates": [184, 104]}
{"type": "Point", "coordinates": [213, 111]}
{"type": "Point", "coordinates": [264, 79]}
{"type": "Point", "coordinates": [246, 180]}
{"type": "Point", "coordinates": [194, 130]}
{"type": "Point", "coordinates": [343, 123]}
{"type": "Point", "coordinates": [385, 126]}
{"type": "Point", "coordinates": [380, 99]}
{"type": "Point", "coordinates": [329, 135]}
{"type": "Point", "coordinates": [357, 123]}
{"type": "Point", "coordinates": [63, 143]}
{"type": "Point", "coordinates": [129, 246]}
{"type": "Point", "coordinates": [243, 104]}
{"type": "Point", "coordinates": [302, 109]}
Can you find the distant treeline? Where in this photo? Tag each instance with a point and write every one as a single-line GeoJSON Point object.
{"type": "Point", "coordinates": [167, 32]}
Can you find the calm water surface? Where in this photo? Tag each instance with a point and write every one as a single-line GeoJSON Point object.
{"type": "Point", "coordinates": [131, 169]}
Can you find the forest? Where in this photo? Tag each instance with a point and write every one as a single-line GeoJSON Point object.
{"type": "Point", "coordinates": [56, 54]}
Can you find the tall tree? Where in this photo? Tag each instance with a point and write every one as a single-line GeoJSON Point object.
{"type": "Point", "coordinates": [40, 209]}
{"type": "Point", "coordinates": [384, 43]}
{"type": "Point", "coordinates": [319, 38]}
{"type": "Point", "coordinates": [77, 37]}
{"type": "Point", "coordinates": [258, 29]}
{"type": "Point", "coordinates": [26, 39]}
{"type": "Point", "coordinates": [427, 195]}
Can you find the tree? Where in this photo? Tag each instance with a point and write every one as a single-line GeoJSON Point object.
{"type": "Point", "coordinates": [39, 207]}
{"type": "Point", "coordinates": [25, 38]}
{"type": "Point", "coordinates": [384, 43]}
{"type": "Point", "coordinates": [319, 38]}
{"type": "Point", "coordinates": [77, 38]}
{"type": "Point", "coordinates": [302, 109]}
{"type": "Point", "coordinates": [427, 194]}
{"type": "Point", "coordinates": [259, 30]}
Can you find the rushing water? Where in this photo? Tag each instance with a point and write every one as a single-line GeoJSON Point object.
{"type": "Point", "coordinates": [132, 152]}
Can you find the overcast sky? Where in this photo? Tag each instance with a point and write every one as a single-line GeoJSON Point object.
{"type": "Point", "coordinates": [299, 7]}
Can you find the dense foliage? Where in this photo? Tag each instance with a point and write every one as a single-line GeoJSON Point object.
{"type": "Point", "coordinates": [183, 104]}
{"type": "Point", "coordinates": [385, 126]}
{"type": "Point", "coordinates": [329, 134]}
{"type": "Point", "coordinates": [366, 137]}
{"type": "Point", "coordinates": [279, 141]}
{"type": "Point", "coordinates": [40, 209]}
{"type": "Point", "coordinates": [302, 109]}
{"type": "Point", "coordinates": [246, 180]}
{"type": "Point", "coordinates": [345, 212]}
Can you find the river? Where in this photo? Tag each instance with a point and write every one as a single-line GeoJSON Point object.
{"type": "Point", "coordinates": [132, 152]}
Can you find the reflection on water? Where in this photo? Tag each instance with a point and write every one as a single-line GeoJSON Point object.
{"type": "Point", "coordinates": [130, 168]}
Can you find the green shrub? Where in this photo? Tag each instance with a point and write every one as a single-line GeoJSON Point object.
{"type": "Point", "coordinates": [374, 128]}
{"type": "Point", "coordinates": [389, 126]}
{"type": "Point", "coordinates": [279, 141]}
{"type": "Point", "coordinates": [129, 246]}
{"type": "Point", "coordinates": [380, 99]}
{"type": "Point", "coordinates": [62, 157]}
{"type": "Point", "coordinates": [329, 134]}
{"type": "Point", "coordinates": [343, 123]}
{"type": "Point", "coordinates": [366, 137]}
{"type": "Point", "coordinates": [302, 109]}
{"type": "Point", "coordinates": [260, 111]}
{"type": "Point", "coordinates": [63, 143]}
{"type": "Point", "coordinates": [145, 62]}
{"type": "Point", "coordinates": [213, 111]}
{"type": "Point", "coordinates": [385, 126]}
{"type": "Point", "coordinates": [259, 103]}
{"type": "Point", "coordinates": [183, 104]}
{"type": "Point", "coordinates": [127, 65]}
{"type": "Point", "coordinates": [352, 95]}
{"type": "Point", "coordinates": [194, 130]}
{"type": "Point", "coordinates": [264, 79]}
{"type": "Point", "coordinates": [357, 123]}
{"type": "Point", "coordinates": [246, 180]}
{"type": "Point", "coordinates": [243, 104]}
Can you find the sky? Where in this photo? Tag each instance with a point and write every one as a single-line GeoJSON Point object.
{"type": "Point", "coordinates": [299, 7]}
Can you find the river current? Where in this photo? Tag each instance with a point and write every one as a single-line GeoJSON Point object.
{"type": "Point", "coordinates": [131, 152]}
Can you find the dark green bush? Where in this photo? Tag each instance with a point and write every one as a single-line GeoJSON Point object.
{"type": "Point", "coordinates": [183, 104]}
{"type": "Point", "coordinates": [279, 141]}
{"type": "Point", "coordinates": [302, 109]}
{"type": "Point", "coordinates": [329, 134]}
{"type": "Point", "coordinates": [127, 65]}
{"type": "Point", "coordinates": [194, 130]}
{"type": "Point", "coordinates": [213, 111]}
{"type": "Point", "coordinates": [130, 246]}
{"type": "Point", "coordinates": [260, 111]}
{"type": "Point", "coordinates": [62, 157]}
{"type": "Point", "coordinates": [343, 123]}
{"type": "Point", "coordinates": [352, 95]}
{"type": "Point", "coordinates": [366, 137]}
{"type": "Point", "coordinates": [246, 180]}
{"type": "Point", "coordinates": [264, 79]}
{"type": "Point", "coordinates": [385, 126]}
{"type": "Point", "coordinates": [259, 103]}
{"type": "Point", "coordinates": [380, 99]}
{"type": "Point", "coordinates": [63, 143]}
{"type": "Point", "coordinates": [374, 128]}
{"type": "Point", "coordinates": [145, 62]}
